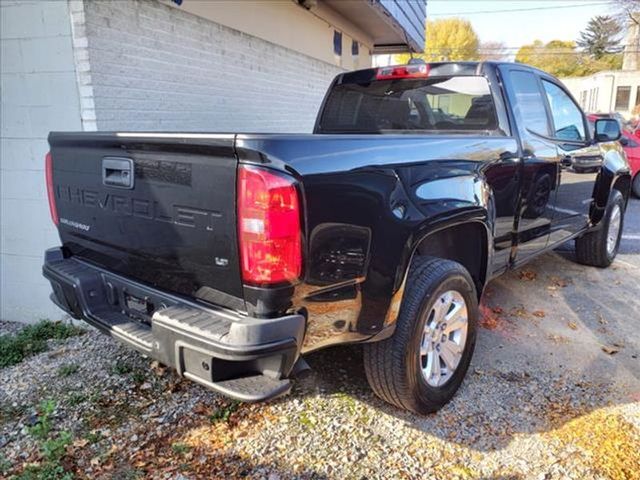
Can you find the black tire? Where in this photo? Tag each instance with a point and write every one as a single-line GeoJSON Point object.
{"type": "Point", "coordinates": [591, 248]}
{"type": "Point", "coordinates": [635, 186]}
{"type": "Point", "coordinates": [393, 366]}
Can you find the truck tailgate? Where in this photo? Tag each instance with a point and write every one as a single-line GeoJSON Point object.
{"type": "Point", "coordinates": [160, 208]}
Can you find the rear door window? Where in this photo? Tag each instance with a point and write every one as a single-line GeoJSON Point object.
{"type": "Point", "coordinates": [453, 103]}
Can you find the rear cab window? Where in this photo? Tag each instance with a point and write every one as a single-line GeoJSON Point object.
{"type": "Point", "coordinates": [450, 104]}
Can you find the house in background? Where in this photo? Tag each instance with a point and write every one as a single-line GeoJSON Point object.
{"type": "Point", "coordinates": [612, 90]}
{"type": "Point", "coordinates": [179, 65]}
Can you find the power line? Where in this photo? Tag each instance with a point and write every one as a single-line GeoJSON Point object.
{"type": "Point", "coordinates": [528, 9]}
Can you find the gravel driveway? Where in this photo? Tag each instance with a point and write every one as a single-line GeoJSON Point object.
{"type": "Point", "coordinates": [553, 392]}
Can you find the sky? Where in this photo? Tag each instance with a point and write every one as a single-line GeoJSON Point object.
{"type": "Point", "coordinates": [542, 19]}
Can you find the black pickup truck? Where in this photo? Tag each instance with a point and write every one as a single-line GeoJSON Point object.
{"type": "Point", "coordinates": [229, 256]}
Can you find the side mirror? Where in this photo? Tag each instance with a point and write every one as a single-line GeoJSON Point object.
{"type": "Point", "coordinates": [607, 130]}
{"type": "Point", "coordinates": [624, 141]}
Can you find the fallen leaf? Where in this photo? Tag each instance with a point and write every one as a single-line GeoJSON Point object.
{"type": "Point", "coordinates": [573, 325]}
{"type": "Point", "coordinates": [528, 275]}
{"type": "Point", "coordinates": [80, 443]}
{"type": "Point", "coordinates": [559, 282]}
{"type": "Point", "coordinates": [601, 319]}
{"type": "Point", "coordinates": [520, 312]}
{"type": "Point", "coordinates": [497, 310]}
{"type": "Point", "coordinates": [489, 322]}
{"type": "Point", "coordinates": [538, 313]}
{"type": "Point", "coordinates": [610, 350]}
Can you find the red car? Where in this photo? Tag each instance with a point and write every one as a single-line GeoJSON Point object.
{"type": "Point", "coordinates": [631, 144]}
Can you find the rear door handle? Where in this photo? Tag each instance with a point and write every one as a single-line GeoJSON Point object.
{"type": "Point", "coordinates": [117, 172]}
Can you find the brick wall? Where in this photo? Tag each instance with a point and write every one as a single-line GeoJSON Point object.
{"type": "Point", "coordinates": [38, 94]}
{"type": "Point", "coordinates": [154, 67]}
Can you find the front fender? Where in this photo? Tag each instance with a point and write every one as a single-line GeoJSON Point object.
{"type": "Point", "coordinates": [615, 173]}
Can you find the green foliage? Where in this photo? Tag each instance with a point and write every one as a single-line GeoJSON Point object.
{"type": "Point", "coordinates": [447, 39]}
{"type": "Point", "coordinates": [68, 369]}
{"type": "Point", "coordinates": [223, 413]}
{"type": "Point", "coordinates": [93, 437]}
{"type": "Point", "coordinates": [76, 398]}
{"type": "Point", "coordinates": [52, 448]}
{"type": "Point", "coordinates": [40, 430]}
{"type": "Point", "coordinates": [5, 465]}
{"type": "Point", "coordinates": [44, 471]}
{"type": "Point", "coordinates": [560, 58]}
{"type": "Point", "coordinates": [121, 368]}
{"type": "Point", "coordinates": [180, 448]}
{"type": "Point", "coordinates": [32, 339]}
{"type": "Point", "coordinates": [602, 36]}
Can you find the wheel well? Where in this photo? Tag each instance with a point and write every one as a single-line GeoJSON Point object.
{"type": "Point", "coordinates": [465, 244]}
{"type": "Point", "coordinates": [623, 185]}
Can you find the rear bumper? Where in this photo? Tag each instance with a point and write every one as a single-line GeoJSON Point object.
{"type": "Point", "coordinates": [245, 358]}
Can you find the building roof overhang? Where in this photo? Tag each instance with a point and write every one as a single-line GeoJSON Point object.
{"type": "Point", "coordinates": [395, 26]}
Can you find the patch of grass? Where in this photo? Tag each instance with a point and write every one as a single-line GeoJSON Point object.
{"type": "Point", "coordinates": [68, 369]}
{"type": "Point", "coordinates": [138, 376]}
{"type": "Point", "coordinates": [121, 368]}
{"type": "Point", "coordinates": [76, 398]}
{"type": "Point", "coordinates": [10, 413]}
{"type": "Point", "coordinates": [52, 448]}
{"type": "Point", "coordinates": [180, 448]}
{"type": "Point", "coordinates": [5, 465]}
{"type": "Point", "coordinates": [44, 471]}
{"type": "Point", "coordinates": [42, 427]}
{"type": "Point", "coordinates": [223, 413]}
{"type": "Point", "coordinates": [93, 437]}
{"type": "Point", "coordinates": [32, 340]}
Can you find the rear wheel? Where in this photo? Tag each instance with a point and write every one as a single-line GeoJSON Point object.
{"type": "Point", "coordinates": [423, 364]}
{"type": "Point", "coordinates": [600, 248]}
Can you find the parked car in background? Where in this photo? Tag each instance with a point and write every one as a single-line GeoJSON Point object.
{"type": "Point", "coordinates": [631, 145]}
{"type": "Point", "coordinates": [630, 141]}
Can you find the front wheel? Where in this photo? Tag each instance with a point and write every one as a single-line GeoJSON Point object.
{"type": "Point", "coordinates": [600, 248]}
{"type": "Point", "coordinates": [422, 365]}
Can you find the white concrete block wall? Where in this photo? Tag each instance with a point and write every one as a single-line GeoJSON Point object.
{"type": "Point", "coordinates": [39, 93]}
{"type": "Point", "coordinates": [154, 67]}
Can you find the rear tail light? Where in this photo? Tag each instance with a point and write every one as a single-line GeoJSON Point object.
{"type": "Point", "coordinates": [50, 190]}
{"type": "Point", "coordinates": [269, 229]}
{"type": "Point", "coordinates": [403, 71]}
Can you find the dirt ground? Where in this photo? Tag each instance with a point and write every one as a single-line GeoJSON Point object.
{"type": "Point", "coordinates": [553, 392]}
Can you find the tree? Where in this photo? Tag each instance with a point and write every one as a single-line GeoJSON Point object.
{"type": "Point", "coordinates": [449, 39]}
{"type": "Point", "coordinates": [560, 58]}
{"type": "Point", "coordinates": [601, 37]}
{"type": "Point", "coordinates": [496, 51]}
{"type": "Point", "coordinates": [627, 11]}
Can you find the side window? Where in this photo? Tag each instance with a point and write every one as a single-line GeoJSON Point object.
{"type": "Point", "coordinates": [528, 102]}
{"type": "Point", "coordinates": [567, 117]}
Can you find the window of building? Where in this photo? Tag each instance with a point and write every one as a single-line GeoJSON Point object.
{"type": "Point", "coordinates": [622, 98]}
{"type": "Point", "coordinates": [337, 43]}
{"type": "Point", "coordinates": [583, 99]}
{"type": "Point", "coordinates": [355, 48]}
{"type": "Point", "coordinates": [528, 102]}
{"type": "Point", "coordinates": [567, 118]}
{"type": "Point", "coordinates": [637, 96]}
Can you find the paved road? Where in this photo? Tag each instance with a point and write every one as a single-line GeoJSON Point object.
{"type": "Point", "coordinates": [630, 244]}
